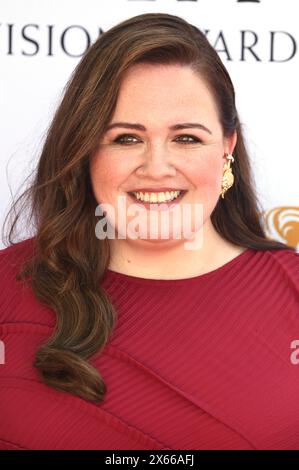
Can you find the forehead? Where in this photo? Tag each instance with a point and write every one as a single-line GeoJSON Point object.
{"type": "Point", "coordinates": [166, 90]}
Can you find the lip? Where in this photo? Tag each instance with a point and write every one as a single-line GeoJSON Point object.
{"type": "Point", "coordinates": [159, 205]}
{"type": "Point", "coordinates": [156, 190]}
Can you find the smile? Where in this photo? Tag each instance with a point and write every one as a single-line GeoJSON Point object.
{"type": "Point", "coordinates": [159, 200]}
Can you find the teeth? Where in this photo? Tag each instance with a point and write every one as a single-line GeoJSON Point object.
{"type": "Point", "coordinates": [157, 197]}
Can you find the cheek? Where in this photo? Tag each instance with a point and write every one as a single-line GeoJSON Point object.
{"type": "Point", "coordinates": [207, 175]}
{"type": "Point", "coordinates": [106, 177]}
{"type": "Point", "coordinates": [207, 180]}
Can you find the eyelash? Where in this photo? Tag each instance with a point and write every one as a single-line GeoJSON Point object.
{"type": "Point", "coordinates": [196, 139]}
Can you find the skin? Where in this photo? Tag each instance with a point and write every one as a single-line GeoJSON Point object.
{"type": "Point", "coordinates": [159, 96]}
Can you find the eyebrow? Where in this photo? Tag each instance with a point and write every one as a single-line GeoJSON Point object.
{"type": "Point", "coordinates": [140, 127]}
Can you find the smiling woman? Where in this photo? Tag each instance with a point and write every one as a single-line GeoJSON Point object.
{"type": "Point", "coordinates": [137, 342]}
{"type": "Point", "coordinates": [162, 161]}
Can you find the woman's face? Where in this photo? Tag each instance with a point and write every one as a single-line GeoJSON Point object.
{"type": "Point", "coordinates": [155, 155]}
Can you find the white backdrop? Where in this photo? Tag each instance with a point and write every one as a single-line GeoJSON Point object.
{"type": "Point", "coordinates": [41, 42]}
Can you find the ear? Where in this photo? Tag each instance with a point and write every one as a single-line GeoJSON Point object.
{"type": "Point", "coordinates": [229, 143]}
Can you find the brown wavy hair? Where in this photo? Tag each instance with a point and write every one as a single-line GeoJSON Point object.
{"type": "Point", "coordinates": [69, 261]}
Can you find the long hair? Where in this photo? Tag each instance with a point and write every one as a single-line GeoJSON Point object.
{"type": "Point", "coordinates": [69, 260]}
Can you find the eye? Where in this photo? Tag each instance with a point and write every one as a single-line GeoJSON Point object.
{"type": "Point", "coordinates": [195, 139]}
{"type": "Point", "coordinates": [118, 139]}
{"type": "Point", "coordinates": [123, 139]}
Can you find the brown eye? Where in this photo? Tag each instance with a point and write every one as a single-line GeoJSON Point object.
{"type": "Point", "coordinates": [193, 141]}
{"type": "Point", "coordinates": [126, 139]}
{"type": "Point", "coordinates": [123, 138]}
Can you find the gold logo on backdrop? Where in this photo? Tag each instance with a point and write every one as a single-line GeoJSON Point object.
{"type": "Point", "coordinates": [282, 224]}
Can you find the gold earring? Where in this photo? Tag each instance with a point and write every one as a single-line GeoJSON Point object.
{"type": "Point", "coordinates": [228, 177]}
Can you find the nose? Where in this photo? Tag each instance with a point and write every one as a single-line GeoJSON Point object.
{"type": "Point", "coordinates": [157, 164]}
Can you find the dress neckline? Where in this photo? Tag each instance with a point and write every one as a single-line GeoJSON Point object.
{"type": "Point", "coordinates": [239, 259]}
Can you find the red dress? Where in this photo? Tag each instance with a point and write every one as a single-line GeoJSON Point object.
{"type": "Point", "coordinates": [197, 363]}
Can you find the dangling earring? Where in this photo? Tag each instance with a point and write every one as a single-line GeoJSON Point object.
{"type": "Point", "coordinates": [228, 177]}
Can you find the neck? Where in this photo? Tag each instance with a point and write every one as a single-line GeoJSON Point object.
{"type": "Point", "coordinates": [170, 259]}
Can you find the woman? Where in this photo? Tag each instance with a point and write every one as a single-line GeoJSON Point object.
{"type": "Point", "coordinates": [141, 342]}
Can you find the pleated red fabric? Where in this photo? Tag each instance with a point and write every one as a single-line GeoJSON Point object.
{"type": "Point", "coordinates": [201, 363]}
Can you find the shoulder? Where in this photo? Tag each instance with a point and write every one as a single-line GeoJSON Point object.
{"type": "Point", "coordinates": [288, 261]}
{"type": "Point", "coordinates": [12, 259]}
{"type": "Point", "coordinates": [282, 265]}
{"type": "Point", "coordinates": [18, 303]}
{"type": "Point", "coordinates": [14, 254]}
